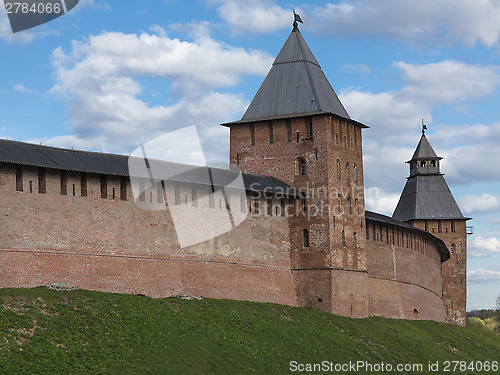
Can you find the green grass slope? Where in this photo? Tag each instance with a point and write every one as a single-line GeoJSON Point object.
{"type": "Point", "coordinates": [85, 332]}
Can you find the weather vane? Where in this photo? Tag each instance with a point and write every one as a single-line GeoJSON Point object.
{"type": "Point", "coordinates": [424, 127]}
{"type": "Point", "coordinates": [296, 18]}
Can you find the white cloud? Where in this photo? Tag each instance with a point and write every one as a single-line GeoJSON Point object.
{"type": "Point", "coordinates": [483, 276]}
{"type": "Point", "coordinates": [395, 120]}
{"type": "Point", "coordinates": [480, 247]}
{"type": "Point", "coordinates": [379, 201]}
{"type": "Point", "coordinates": [256, 16]}
{"type": "Point", "coordinates": [425, 21]}
{"type": "Point", "coordinates": [21, 88]}
{"type": "Point", "coordinates": [102, 76]}
{"type": "Point", "coordinates": [480, 203]}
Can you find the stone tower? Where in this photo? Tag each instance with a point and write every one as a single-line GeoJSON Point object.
{"type": "Point", "coordinates": [427, 203]}
{"type": "Point", "coordinates": [297, 130]}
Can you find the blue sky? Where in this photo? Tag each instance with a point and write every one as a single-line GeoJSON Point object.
{"type": "Point", "coordinates": [111, 75]}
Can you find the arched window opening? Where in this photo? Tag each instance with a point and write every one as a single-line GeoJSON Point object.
{"type": "Point", "coordinates": [349, 206]}
{"type": "Point", "coordinates": [355, 172]}
{"type": "Point", "coordinates": [347, 171]}
{"type": "Point", "coordinates": [422, 163]}
{"type": "Point", "coordinates": [339, 201]}
{"type": "Point", "coordinates": [453, 248]}
{"type": "Point", "coordinates": [305, 237]}
{"type": "Point", "coordinates": [301, 166]}
{"type": "Point", "coordinates": [433, 164]}
{"type": "Point", "coordinates": [339, 171]}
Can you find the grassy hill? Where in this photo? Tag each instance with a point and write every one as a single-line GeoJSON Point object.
{"type": "Point", "coordinates": [84, 332]}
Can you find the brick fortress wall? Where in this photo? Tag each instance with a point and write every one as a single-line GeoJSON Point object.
{"type": "Point", "coordinates": [404, 272]}
{"type": "Point", "coordinates": [86, 230]}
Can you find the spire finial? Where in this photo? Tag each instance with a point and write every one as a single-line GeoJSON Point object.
{"type": "Point", "coordinates": [424, 127]}
{"type": "Point", "coordinates": [296, 18]}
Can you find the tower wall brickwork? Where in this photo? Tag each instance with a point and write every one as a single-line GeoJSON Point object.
{"type": "Point", "coordinates": [454, 271]}
{"type": "Point", "coordinates": [333, 212]}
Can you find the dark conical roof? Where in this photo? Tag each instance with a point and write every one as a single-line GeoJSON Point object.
{"type": "Point", "coordinates": [424, 150]}
{"type": "Point", "coordinates": [426, 196]}
{"type": "Point", "coordinates": [294, 86]}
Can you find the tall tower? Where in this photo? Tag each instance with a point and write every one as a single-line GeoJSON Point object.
{"type": "Point", "coordinates": [427, 203]}
{"type": "Point", "coordinates": [297, 130]}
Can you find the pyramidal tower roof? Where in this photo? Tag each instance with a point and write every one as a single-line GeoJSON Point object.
{"type": "Point", "coordinates": [294, 86]}
{"type": "Point", "coordinates": [426, 196]}
{"type": "Point", "coordinates": [424, 150]}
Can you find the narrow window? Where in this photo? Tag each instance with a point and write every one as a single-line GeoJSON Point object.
{"type": "Point", "coordinates": [309, 124]}
{"type": "Point", "coordinates": [453, 226]}
{"type": "Point", "coordinates": [426, 226]}
{"type": "Point", "coordinates": [31, 186]}
{"type": "Point", "coordinates": [271, 132]}
{"type": "Point", "coordinates": [440, 229]}
{"type": "Point", "coordinates": [269, 207]}
{"type": "Point", "coordinates": [288, 130]}
{"type": "Point", "coordinates": [123, 188]}
{"type": "Point", "coordinates": [303, 204]}
{"type": "Point", "coordinates": [252, 134]}
{"type": "Point", "coordinates": [422, 163]}
{"type": "Point", "coordinates": [433, 164]}
{"type": "Point", "coordinates": [256, 205]}
{"type": "Point", "coordinates": [83, 184]}
{"type": "Point", "coordinates": [453, 248]}
{"type": "Point", "coordinates": [344, 243]}
{"type": "Point", "coordinates": [19, 177]}
{"type": "Point", "coordinates": [355, 172]}
{"type": "Point", "coordinates": [298, 135]}
{"type": "Point", "coordinates": [211, 199]}
{"type": "Point", "coordinates": [339, 172]}
{"type": "Point", "coordinates": [349, 206]}
{"type": "Point", "coordinates": [194, 196]}
{"type": "Point", "coordinates": [283, 207]}
{"type": "Point", "coordinates": [142, 190]}
{"type": "Point", "coordinates": [74, 191]}
{"type": "Point", "coordinates": [238, 158]}
{"type": "Point", "coordinates": [42, 180]}
{"type": "Point", "coordinates": [177, 194]}
{"type": "Point", "coordinates": [159, 191]}
{"type": "Point", "coordinates": [305, 237]}
{"type": "Point", "coordinates": [64, 182]}
{"type": "Point", "coordinates": [347, 171]}
{"type": "Point", "coordinates": [104, 186]}
{"type": "Point", "coordinates": [150, 196]}
{"type": "Point", "coordinates": [301, 166]}
{"type": "Point", "coordinates": [243, 199]}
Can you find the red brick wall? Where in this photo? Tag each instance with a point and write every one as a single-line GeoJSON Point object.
{"type": "Point", "coordinates": [405, 274]}
{"type": "Point", "coordinates": [335, 225]}
{"type": "Point", "coordinates": [454, 235]}
{"type": "Point", "coordinates": [112, 245]}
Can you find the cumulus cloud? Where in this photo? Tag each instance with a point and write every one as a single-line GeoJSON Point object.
{"type": "Point", "coordinates": [101, 79]}
{"type": "Point", "coordinates": [21, 88]}
{"type": "Point", "coordinates": [480, 247]}
{"type": "Point", "coordinates": [395, 119]}
{"type": "Point", "coordinates": [257, 16]}
{"type": "Point", "coordinates": [480, 203]}
{"type": "Point", "coordinates": [482, 275]}
{"type": "Point", "coordinates": [425, 21]}
{"type": "Point", "coordinates": [379, 201]}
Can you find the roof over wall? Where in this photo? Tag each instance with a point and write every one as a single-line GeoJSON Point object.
{"type": "Point", "coordinates": [111, 164]}
{"type": "Point", "coordinates": [295, 86]}
{"type": "Point", "coordinates": [372, 216]}
{"type": "Point", "coordinates": [427, 197]}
